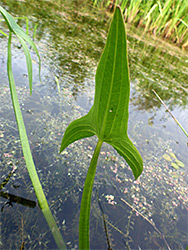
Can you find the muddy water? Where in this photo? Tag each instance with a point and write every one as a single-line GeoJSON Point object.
{"type": "Point", "coordinates": [150, 213]}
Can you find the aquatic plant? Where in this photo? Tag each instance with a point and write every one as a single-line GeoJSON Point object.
{"type": "Point", "coordinates": [167, 18]}
{"type": "Point", "coordinates": [23, 37]}
{"type": "Point", "coordinates": [108, 117]}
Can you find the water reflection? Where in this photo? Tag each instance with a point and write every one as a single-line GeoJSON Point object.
{"type": "Point", "coordinates": [74, 39]}
{"type": "Point", "coordinates": [153, 67]}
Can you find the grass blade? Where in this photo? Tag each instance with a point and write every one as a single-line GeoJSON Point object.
{"type": "Point", "coordinates": [3, 33]}
{"type": "Point", "coordinates": [28, 156]}
{"type": "Point", "coordinates": [15, 28]}
{"type": "Point", "coordinates": [28, 61]}
{"type": "Point", "coordinates": [170, 113]}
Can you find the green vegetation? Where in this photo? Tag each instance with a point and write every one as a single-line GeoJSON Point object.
{"type": "Point", "coordinates": [166, 18]}
{"type": "Point", "coordinates": [108, 117]}
{"type": "Point", "coordinates": [23, 37]}
{"type": "Point", "coordinates": [156, 196]}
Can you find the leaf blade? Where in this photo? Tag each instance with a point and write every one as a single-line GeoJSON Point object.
{"type": "Point", "coordinates": [28, 156]}
{"type": "Point", "coordinates": [112, 89]}
{"type": "Point", "coordinates": [128, 151]}
{"type": "Point", "coordinates": [108, 117]}
{"type": "Point", "coordinates": [78, 129]}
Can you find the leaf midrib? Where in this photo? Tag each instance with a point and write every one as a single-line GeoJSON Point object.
{"type": "Point", "coordinates": [111, 85]}
{"type": "Point", "coordinates": [119, 99]}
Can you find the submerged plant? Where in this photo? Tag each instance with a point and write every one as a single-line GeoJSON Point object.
{"type": "Point", "coordinates": [23, 37]}
{"type": "Point", "coordinates": [108, 117]}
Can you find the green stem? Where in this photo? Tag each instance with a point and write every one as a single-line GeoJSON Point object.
{"type": "Point", "coordinates": [170, 113]}
{"type": "Point", "coordinates": [86, 200]}
{"type": "Point", "coordinates": [28, 156]}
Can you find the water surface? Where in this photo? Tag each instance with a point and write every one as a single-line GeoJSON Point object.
{"type": "Point", "coordinates": [70, 39]}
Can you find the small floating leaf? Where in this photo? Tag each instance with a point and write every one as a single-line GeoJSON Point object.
{"type": "Point", "coordinates": [175, 176]}
{"type": "Point", "coordinates": [174, 165]}
{"type": "Point", "coordinates": [173, 155]}
{"type": "Point", "coordinates": [167, 157]}
{"type": "Point", "coordinates": [180, 164]}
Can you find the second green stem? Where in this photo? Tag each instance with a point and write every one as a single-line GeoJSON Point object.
{"type": "Point", "coordinates": [86, 200]}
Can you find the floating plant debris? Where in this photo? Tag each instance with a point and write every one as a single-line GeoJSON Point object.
{"type": "Point", "coordinates": [175, 163]}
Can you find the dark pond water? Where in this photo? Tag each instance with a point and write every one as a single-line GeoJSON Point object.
{"type": "Point", "coordinates": [150, 213]}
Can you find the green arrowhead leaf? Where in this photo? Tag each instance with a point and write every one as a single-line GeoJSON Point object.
{"type": "Point", "coordinates": [108, 117]}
